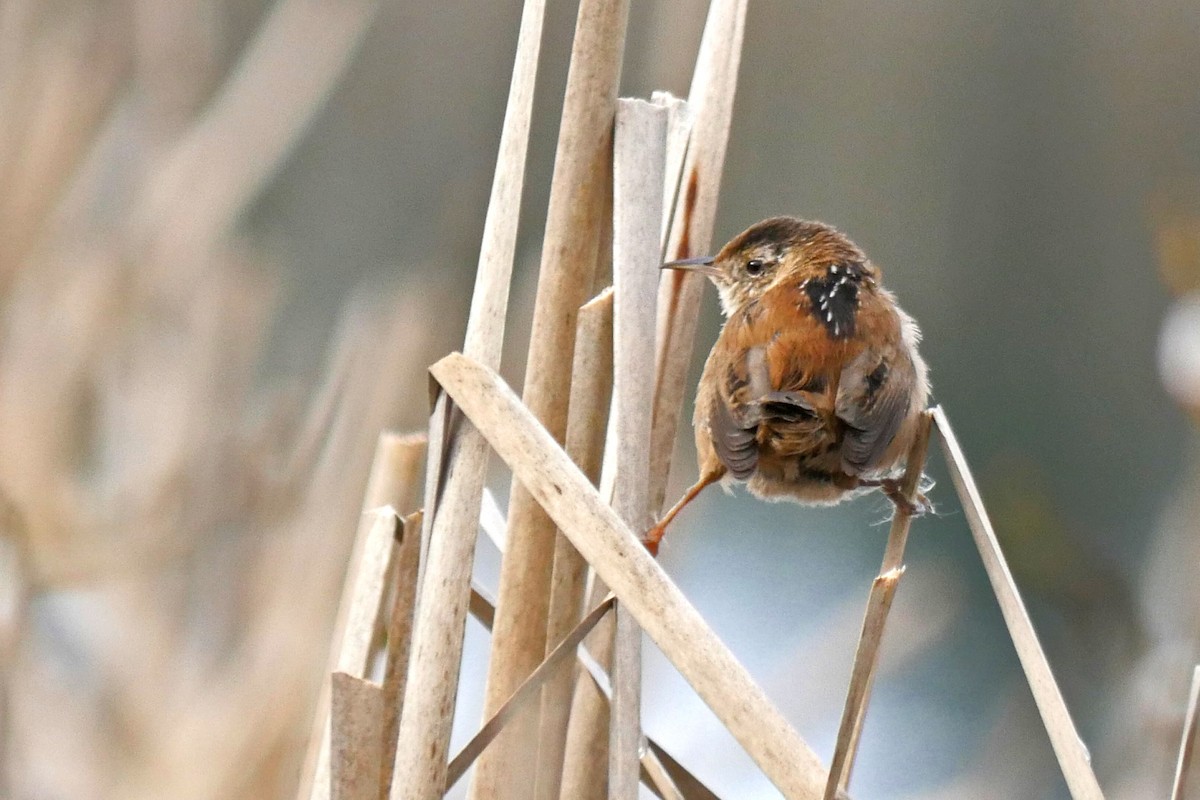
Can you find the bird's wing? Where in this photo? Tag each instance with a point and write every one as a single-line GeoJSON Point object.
{"type": "Point", "coordinates": [734, 440]}
{"type": "Point", "coordinates": [874, 396]}
{"type": "Point", "coordinates": [733, 414]}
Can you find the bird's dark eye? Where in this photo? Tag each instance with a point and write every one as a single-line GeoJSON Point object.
{"type": "Point", "coordinates": [754, 266]}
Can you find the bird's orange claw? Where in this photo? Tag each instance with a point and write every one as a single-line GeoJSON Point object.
{"type": "Point", "coordinates": [652, 539]}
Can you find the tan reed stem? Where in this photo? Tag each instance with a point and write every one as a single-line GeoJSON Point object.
{"type": "Point", "coordinates": [1187, 742]}
{"type": "Point", "coordinates": [710, 110]}
{"type": "Point", "coordinates": [452, 506]}
{"type": "Point", "coordinates": [357, 714]}
{"type": "Point", "coordinates": [714, 84]}
{"type": "Point", "coordinates": [656, 777]}
{"type": "Point", "coordinates": [365, 616]}
{"type": "Point", "coordinates": [1073, 757]}
{"type": "Point", "coordinates": [399, 643]}
{"type": "Point", "coordinates": [679, 131]}
{"type": "Point", "coordinates": [574, 224]}
{"type": "Point", "coordinates": [395, 474]}
{"type": "Point", "coordinates": [879, 603]}
{"type": "Point", "coordinates": [591, 392]}
{"type": "Point", "coordinates": [688, 784]}
{"type": "Point", "coordinates": [621, 561]}
{"type": "Point", "coordinates": [639, 154]}
{"type": "Point", "coordinates": [585, 762]}
{"type": "Point", "coordinates": [559, 657]}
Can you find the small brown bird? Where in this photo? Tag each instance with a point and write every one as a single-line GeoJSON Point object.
{"type": "Point", "coordinates": [814, 388]}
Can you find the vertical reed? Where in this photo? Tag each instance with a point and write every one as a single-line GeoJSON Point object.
{"type": "Point", "coordinates": [455, 488]}
{"type": "Point", "coordinates": [638, 177]}
{"type": "Point", "coordinates": [399, 642]}
{"type": "Point", "coordinates": [587, 423]}
{"type": "Point", "coordinates": [710, 100]}
{"type": "Point", "coordinates": [879, 603]}
{"type": "Point", "coordinates": [392, 484]}
{"type": "Point", "coordinates": [574, 225]}
{"type": "Point", "coordinates": [709, 115]}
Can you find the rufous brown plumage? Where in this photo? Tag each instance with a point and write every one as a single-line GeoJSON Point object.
{"type": "Point", "coordinates": [814, 388]}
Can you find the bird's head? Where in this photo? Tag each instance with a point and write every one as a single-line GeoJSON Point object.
{"type": "Point", "coordinates": [772, 253]}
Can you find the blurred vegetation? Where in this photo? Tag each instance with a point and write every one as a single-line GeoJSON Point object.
{"type": "Point", "coordinates": [211, 303]}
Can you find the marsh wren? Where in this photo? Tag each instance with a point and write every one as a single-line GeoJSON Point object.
{"type": "Point", "coordinates": [814, 388]}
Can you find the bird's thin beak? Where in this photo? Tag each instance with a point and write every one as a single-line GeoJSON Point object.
{"type": "Point", "coordinates": [702, 264]}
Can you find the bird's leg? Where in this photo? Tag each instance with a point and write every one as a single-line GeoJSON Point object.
{"type": "Point", "coordinates": [891, 488]}
{"type": "Point", "coordinates": [655, 534]}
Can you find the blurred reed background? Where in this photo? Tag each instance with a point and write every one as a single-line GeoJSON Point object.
{"type": "Point", "coordinates": [233, 233]}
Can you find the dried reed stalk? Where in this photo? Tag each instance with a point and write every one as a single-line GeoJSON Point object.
{"type": "Point", "coordinates": [574, 228]}
{"type": "Point", "coordinates": [1072, 754]}
{"type": "Point", "coordinates": [639, 153]}
{"type": "Point", "coordinates": [356, 713]}
{"type": "Point", "coordinates": [710, 100]}
{"type": "Point", "coordinates": [625, 710]}
{"type": "Point", "coordinates": [1187, 741]}
{"type": "Point", "coordinates": [585, 763]}
{"type": "Point", "coordinates": [363, 618]}
{"type": "Point", "coordinates": [399, 641]}
{"type": "Point", "coordinates": [655, 773]}
{"type": "Point", "coordinates": [483, 607]}
{"type": "Point", "coordinates": [370, 589]}
{"type": "Point", "coordinates": [708, 117]}
{"type": "Point", "coordinates": [688, 784]}
{"type": "Point", "coordinates": [656, 777]}
{"type": "Point", "coordinates": [619, 558]}
{"type": "Point", "coordinates": [14, 623]}
{"type": "Point", "coordinates": [679, 131]}
{"type": "Point", "coordinates": [591, 392]}
{"type": "Point", "coordinates": [879, 603]}
{"type": "Point", "coordinates": [452, 506]}
{"type": "Point", "coordinates": [658, 767]}
{"type": "Point", "coordinates": [574, 225]}
{"type": "Point", "coordinates": [586, 760]}
{"type": "Point", "coordinates": [560, 656]}
{"type": "Point", "coordinates": [392, 483]}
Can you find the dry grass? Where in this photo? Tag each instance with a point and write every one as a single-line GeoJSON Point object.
{"type": "Point", "coordinates": [175, 532]}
